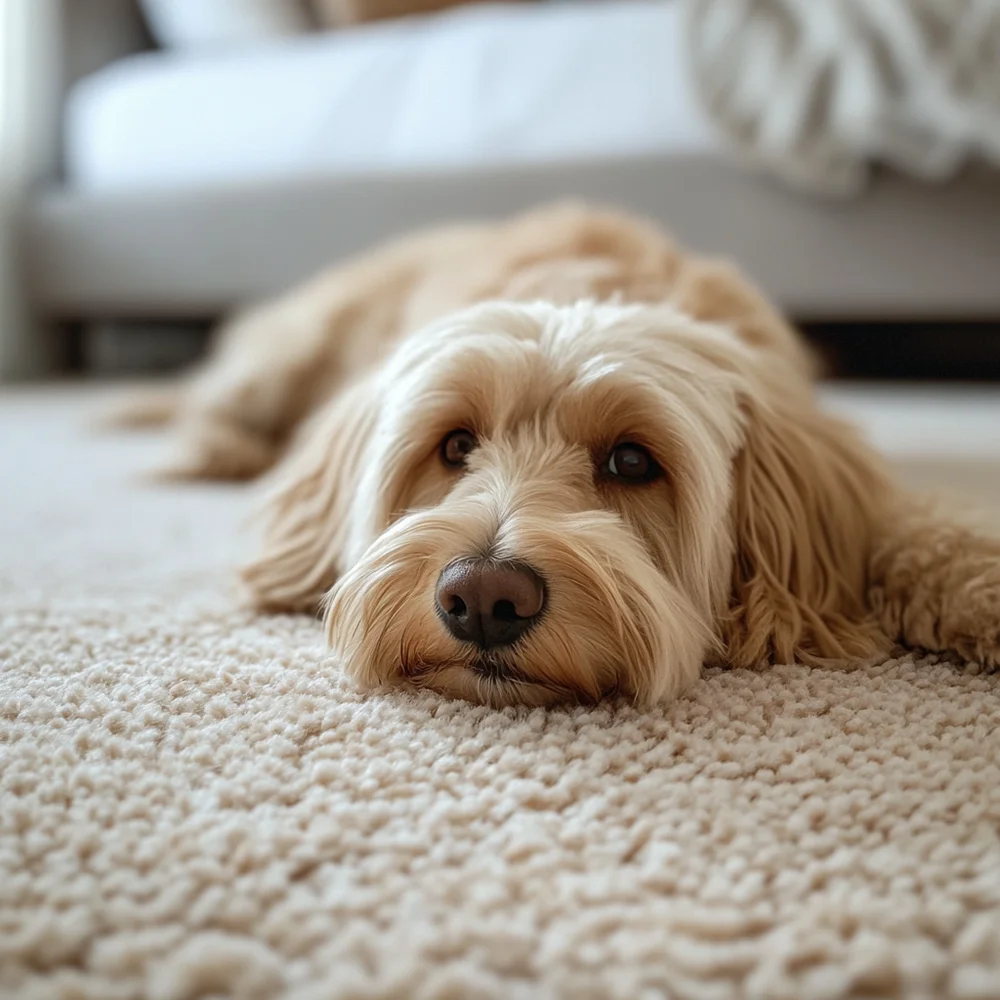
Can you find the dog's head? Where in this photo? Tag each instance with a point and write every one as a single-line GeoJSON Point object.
{"type": "Point", "coordinates": [528, 503]}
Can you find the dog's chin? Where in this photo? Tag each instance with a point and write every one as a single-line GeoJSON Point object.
{"type": "Point", "coordinates": [484, 683]}
{"type": "Point", "coordinates": [498, 678]}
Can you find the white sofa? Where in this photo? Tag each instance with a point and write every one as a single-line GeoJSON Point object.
{"type": "Point", "coordinates": [191, 182]}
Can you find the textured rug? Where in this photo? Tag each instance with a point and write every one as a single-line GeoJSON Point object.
{"type": "Point", "coordinates": [194, 803]}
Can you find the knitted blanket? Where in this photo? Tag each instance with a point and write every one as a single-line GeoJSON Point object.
{"type": "Point", "coordinates": [820, 90]}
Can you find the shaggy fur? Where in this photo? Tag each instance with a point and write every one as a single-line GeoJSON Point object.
{"type": "Point", "coordinates": [774, 534]}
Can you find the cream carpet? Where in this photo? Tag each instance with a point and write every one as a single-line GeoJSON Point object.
{"type": "Point", "coordinates": [193, 803]}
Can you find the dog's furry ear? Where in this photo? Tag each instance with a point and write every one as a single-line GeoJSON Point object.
{"type": "Point", "coordinates": [809, 502]}
{"type": "Point", "coordinates": [307, 516]}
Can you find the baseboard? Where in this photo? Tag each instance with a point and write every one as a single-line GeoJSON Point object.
{"type": "Point", "coordinates": [918, 350]}
{"type": "Point", "coordinates": [123, 348]}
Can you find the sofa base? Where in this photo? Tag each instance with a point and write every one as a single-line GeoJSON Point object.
{"type": "Point", "coordinates": [905, 250]}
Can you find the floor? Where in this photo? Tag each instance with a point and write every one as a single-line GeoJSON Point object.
{"type": "Point", "coordinates": [943, 440]}
{"type": "Point", "coordinates": [196, 802]}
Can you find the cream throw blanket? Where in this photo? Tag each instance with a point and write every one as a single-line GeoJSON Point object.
{"type": "Point", "coordinates": [818, 90]}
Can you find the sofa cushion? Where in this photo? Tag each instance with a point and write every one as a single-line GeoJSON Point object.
{"type": "Point", "coordinates": [186, 24]}
{"type": "Point", "coordinates": [338, 13]}
{"type": "Point", "coordinates": [479, 86]}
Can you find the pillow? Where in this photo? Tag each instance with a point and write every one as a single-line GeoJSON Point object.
{"type": "Point", "coordinates": [337, 13]}
{"type": "Point", "coordinates": [187, 24]}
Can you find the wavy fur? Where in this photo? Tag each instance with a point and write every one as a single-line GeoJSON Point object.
{"type": "Point", "coordinates": [774, 535]}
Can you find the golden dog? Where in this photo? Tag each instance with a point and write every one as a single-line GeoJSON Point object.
{"type": "Point", "coordinates": [557, 458]}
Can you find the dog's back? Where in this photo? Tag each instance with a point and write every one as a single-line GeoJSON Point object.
{"type": "Point", "coordinates": [274, 364]}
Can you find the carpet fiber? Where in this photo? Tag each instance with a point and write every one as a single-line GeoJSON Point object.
{"type": "Point", "coordinates": [194, 803]}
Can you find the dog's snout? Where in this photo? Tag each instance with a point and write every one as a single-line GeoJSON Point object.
{"type": "Point", "coordinates": [489, 603]}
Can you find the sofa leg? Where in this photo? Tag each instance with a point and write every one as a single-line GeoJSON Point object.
{"type": "Point", "coordinates": [27, 342]}
{"type": "Point", "coordinates": [30, 82]}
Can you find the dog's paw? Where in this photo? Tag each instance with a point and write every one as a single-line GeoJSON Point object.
{"type": "Point", "coordinates": [218, 451]}
{"type": "Point", "coordinates": [939, 589]}
{"type": "Point", "coordinates": [969, 624]}
{"type": "Point", "coordinates": [141, 408]}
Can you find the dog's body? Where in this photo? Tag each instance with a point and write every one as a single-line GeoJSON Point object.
{"type": "Point", "coordinates": [607, 472]}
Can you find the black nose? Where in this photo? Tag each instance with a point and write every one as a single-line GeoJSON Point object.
{"type": "Point", "coordinates": [489, 603]}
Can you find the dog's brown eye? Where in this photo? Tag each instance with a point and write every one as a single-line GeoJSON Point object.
{"type": "Point", "coordinates": [631, 463]}
{"type": "Point", "coordinates": [456, 447]}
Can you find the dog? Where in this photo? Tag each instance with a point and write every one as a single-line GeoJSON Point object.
{"type": "Point", "coordinates": [557, 458]}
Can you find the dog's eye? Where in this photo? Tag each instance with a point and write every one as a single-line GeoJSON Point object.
{"type": "Point", "coordinates": [456, 447]}
{"type": "Point", "coordinates": [631, 463]}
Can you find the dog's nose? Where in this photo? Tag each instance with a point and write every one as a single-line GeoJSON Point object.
{"type": "Point", "coordinates": [489, 603]}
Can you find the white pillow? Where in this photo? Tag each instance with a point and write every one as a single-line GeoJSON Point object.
{"type": "Point", "coordinates": [186, 24]}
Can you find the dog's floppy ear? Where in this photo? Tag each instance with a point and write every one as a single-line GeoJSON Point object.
{"type": "Point", "coordinates": [307, 516]}
{"type": "Point", "coordinates": [809, 501]}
